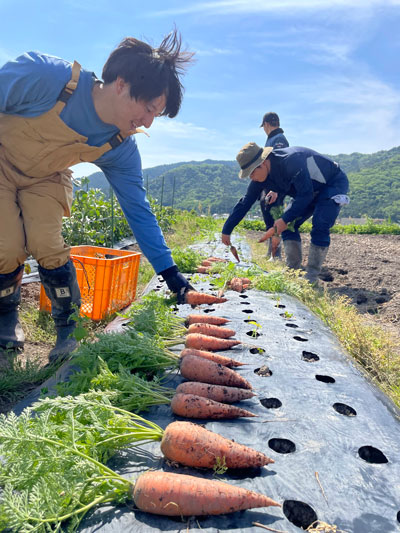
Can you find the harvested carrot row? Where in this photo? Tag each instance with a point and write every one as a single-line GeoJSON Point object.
{"type": "Point", "coordinates": [198, 298]}
{"type": "Point", "coordinates": [192, 406]}
{"type": "Point", "coordinates": [218, 393]}
{"type": "Point", "coordinates": [190, 444]}
{"type": "Point", "coordinates": [217, 358]}
{"type": "Point", "coordinates": [169, 494]}
{"type": "Point", "coordinates": [210, 329]}
{"type": "Point", "coordinates": [205, 319]}
{"type": "Point", "coordinates": [195, 368]}
{"type": "Point", "coordinates": [206, 342]}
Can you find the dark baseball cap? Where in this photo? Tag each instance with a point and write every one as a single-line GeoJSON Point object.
{"type": "Point", "coordinates": [270, 117]}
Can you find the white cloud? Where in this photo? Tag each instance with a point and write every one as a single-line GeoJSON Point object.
{"type": "Point", "coordinates": [263, 6]}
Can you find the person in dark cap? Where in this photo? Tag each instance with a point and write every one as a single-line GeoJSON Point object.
{"type": "Point", "coordinates": [317, 185]}
{"type": "Point", "coordinates": [276, 139]}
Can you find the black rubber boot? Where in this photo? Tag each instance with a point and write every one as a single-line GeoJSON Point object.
{"type": "Point", "coordinates": [11, 334]}
{"type": "Point", "coordinates": [316, 257]}
{"type": "Point", "coordinates": [293, 254]}
{"type": "Point", "coordinates": [62, 289]}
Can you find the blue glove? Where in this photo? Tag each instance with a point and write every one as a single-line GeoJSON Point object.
{"type": "Point", "coordinates": [176, 282]}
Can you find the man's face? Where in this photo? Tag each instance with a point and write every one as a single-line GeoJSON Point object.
{"type": "Point", "coordinates": [130, 113]}
{"type": "Point", "coordinates": [261, 172]}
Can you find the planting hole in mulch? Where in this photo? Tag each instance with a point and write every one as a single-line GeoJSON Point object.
{"type": "Point", "coordinates": [398, 516]}
{"type": "Point", "coordinates": [253, 334]}
{"type": "Point", "coordinates": [325, 379]}
{"type": "Point", "coordinates": [280, 306]}
{"type": "Point", "coordinates": [344, 409]}
{"type": "Point", "coordinates": [300, 339]}
{"type": "Point", "coordinates": [257, 350]}
{"type": "Point", "coordinates": [263, 371]}
{"type": "Point", "coordinates": [271, 403]}
{"type": "Point", "coordinates": [209, 310]}
{"type": "Point", "coordinates": [372, 455]}
{"type": "Point", "coordinates": [248, 320]}
{"type": "Point", "coordinates": [289, 325]}
{"type": "Point", "coordinates": [244, 303]}
{"type": "Point", "coordinates": [243, 296]}
{"type": "Point", "coordinates": [247, 311]}
{"type": "Point", "coordinates": [309, 357]}
{"type": "Point", "coordinates": [299, 513]}
{"type": "Point", "coordinates": [282, 446]}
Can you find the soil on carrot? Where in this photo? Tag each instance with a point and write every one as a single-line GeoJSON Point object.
{"type": "Point", "coordinates": [365, 268]}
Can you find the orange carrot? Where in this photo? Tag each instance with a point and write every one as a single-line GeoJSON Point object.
{"type": "Point", "coordinates": [206, 263]}
{"type": "Point", "coordinates": [198, 298]}
{"type": "Point", "coordinates": [218, 393]}
{"type": "Point", "coordinates": [210, 329]}
{"type": "Point", "coordinates": [205, 319]}
{"type": "Point", "coordinates": [169, 494]}
{"type": "Point", "coordinates": [206, 342]}
{"type": "Point", "coordinates": [202, 270]}
{"type": "Point", "coordinates": [192, 445]}
{"type": "Point", "coordinates": [192, 406]}
{"type": "Point", "coordinates": [195, 368]}
{"type": "Point", "coordinates": [217, 260]}
{"type": "Point", "coordinates": [217, 358]}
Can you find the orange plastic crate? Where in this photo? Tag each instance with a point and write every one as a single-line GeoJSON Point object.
{"type": "Point", "coordinates": [110, 281]}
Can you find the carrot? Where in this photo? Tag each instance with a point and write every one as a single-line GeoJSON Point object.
{"type": "Point", "coordinates": [192, 445]}
{"type": "Point", "coordinates": [206, 342]}
{"type": "Point", "coordinates": [198, 298]}
{"type": "Point", "coordinates": [206, 263]}
{"type": "Point", "coordinates": [205, 319]}
{"type": "Point", "coordinates": [217, 358]}
{"type": "Point", "coordinates": [202, 270]}
{"type": "Point", "coordinates": [217, 260]}
{"type": "Point", "coordinates": [210, 329]}
{"type": "Point", "coordinates": [195, 368]}
{"type": "Point", "coordinates": [169, 494]}
{"type": "Point", "coordinates": [192, 406]}
{"type": "Point", "coordinates": [218, 393]}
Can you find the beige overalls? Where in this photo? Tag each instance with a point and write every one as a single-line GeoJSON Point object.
{"type": "Point", "coordinates": [35, 182]}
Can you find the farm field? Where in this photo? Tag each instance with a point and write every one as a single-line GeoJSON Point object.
{"type": "Point", "coordinates": [364, 268]}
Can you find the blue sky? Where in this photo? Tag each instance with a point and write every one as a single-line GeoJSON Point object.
{"type": "Point", "coordinates": [329, 68]}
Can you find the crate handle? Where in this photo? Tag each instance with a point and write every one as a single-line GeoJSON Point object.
{"type": "Point", "coordinates": [84, 270]}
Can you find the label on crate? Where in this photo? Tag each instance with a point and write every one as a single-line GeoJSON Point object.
{"type": "Point", "coordinates": [63, 292]}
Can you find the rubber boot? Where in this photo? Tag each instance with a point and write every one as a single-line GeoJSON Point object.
{"type": "Point", "coordinates": [11, 334]}
{"type": "Point", "coordinates": [316, 257]}
{"type": "Point", "coordinates": [278, 253]}
{"type": "Point", "coordinates": [62, 289]}
{"type": "Point", "coordinates": [293, 253]}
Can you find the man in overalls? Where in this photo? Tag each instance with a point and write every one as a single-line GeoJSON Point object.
{"type": "Point", "coordinates": [317, 186]}
{"type": "Point", "coordinates": [53, 114]}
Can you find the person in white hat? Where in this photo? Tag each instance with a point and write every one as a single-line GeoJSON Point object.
{"type": "Point", "coordinates": [317, 185]}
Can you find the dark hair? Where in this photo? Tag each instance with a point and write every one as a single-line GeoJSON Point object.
{"type": "Point", "coordinates": [272, 118]}
{"type": "Point", "coordinates": [150, 72]}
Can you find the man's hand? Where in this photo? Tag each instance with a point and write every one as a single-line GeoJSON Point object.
{"type": "Point", "coordinates": [270, 197]}
{"type": "Point", "coordinates": [176, 283]}
{"type": "Point", "coordinates": [226, 239]}
{"type": "Point", "coordinates": [279, 226]}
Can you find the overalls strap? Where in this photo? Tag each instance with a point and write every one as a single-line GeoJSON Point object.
{"type": "Point", "coordinates": [70, 87]}
{"type": "Point", "coordinates": [68, 91]}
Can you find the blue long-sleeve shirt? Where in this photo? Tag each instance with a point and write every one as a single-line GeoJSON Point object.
{"type": "Point", "coordinates": [30, 86]}
{"type": "Point", "coordinates": [299, 172]}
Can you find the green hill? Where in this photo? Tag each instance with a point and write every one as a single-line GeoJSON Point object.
{"type": "Point", "coordinates": [215, 186]}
